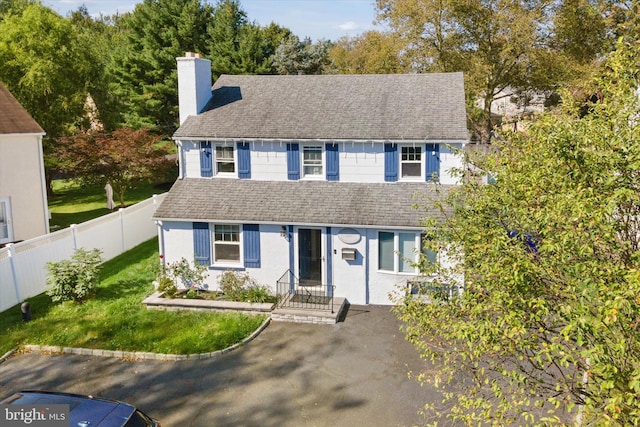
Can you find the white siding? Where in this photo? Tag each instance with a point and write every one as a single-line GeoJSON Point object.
{"type": "Point", "coordinates": [361, 162]}
{"type": "Point", "coordinates": [269, 161]}
{"type": "Point", "coordinates": [274, 252]}
{"type": "Point", "coordinates": [190, 159]}
{"type": "Point", "coordinates": [449, 161]}
{"type": "Point", "coordinates": [350, 277]}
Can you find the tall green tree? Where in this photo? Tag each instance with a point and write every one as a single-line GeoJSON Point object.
{"type": "Point", "coordinates": [371, 53]}
{"type": "Point", "coordinates": [48, 69]}
{"type": "Point", "coordinates": [237, 46]}
{"type": "Point", "coordinates": [547, 330]}
{"type": "Point", "coordinates": [501, 44]}
{"type": "Point", "coordinates": [294, 56]}
{"type": "Point", "coordinates": [45, 66]}
{"type": "Point", "coordinates": [14, 7]}
{"type": "Point", "coordinates": [98, 38]}
{"type": "Point", "coordinates": [144, 61]}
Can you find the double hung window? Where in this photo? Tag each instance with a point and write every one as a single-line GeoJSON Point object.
{"type": "Point", "coordinates": [411, 162]}
{"type": "Point", "coordinates": [224, 159]}
{"type": "Point", "coordinates": [217, 159]}
{"type": "Point", "coordinates": [312, 165]}
{"type": "Point", "coordinates": [226, 243]}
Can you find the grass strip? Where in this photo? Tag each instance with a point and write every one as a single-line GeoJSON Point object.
{"type": "Point", "coordinates": [115, 318]}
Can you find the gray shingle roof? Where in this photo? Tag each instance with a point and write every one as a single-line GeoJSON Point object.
{"type": "Point", "coordinates": [347, 107]}
{"type": "Point", "coordinates": [13, 117]}
{"type": "Point", "coordinates": [299, 202]}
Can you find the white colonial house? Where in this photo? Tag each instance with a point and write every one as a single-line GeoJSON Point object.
{"type": "Point", "coordinates": [310, 180]}
{"type": "Point", "coordinates": [23, 197]}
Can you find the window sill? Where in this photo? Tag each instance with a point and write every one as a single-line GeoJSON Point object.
{"type": "Point", "coordinates": [225, 267]}
{"type": "Point", "coordinates": [399, 273]}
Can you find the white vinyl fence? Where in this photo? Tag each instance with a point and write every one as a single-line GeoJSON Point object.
{"type": "Point", "coordinates": [22, 265]}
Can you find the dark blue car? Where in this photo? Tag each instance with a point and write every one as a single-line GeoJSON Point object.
{"type": "Point", "coordinates": [85, 411]}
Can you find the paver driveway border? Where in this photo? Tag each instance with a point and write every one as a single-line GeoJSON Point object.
{"type": "Point", "coordinates": [137, 355]}
{"type": "Point", "coordinates": [350, 373]}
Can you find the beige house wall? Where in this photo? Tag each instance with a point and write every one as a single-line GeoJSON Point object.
{"type": "Point", "coordinates": [22, 181]}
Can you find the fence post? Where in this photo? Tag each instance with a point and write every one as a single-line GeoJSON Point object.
{"type": "Point", "coordinates": [14, 276]}
{"type": "Point", "coordinates": [73, 234]}
{"type": "Point", "coordinates": [121, 212]}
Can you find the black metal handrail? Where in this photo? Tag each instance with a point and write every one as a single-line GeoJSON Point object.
{"type": "Point", "coordinates": [292, 295]}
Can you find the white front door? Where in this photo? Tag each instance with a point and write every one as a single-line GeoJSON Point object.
{"type": "Point", "coordinates": [6, 229]}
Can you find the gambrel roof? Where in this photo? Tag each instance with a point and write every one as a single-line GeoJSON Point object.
{"type": "Point", "coordinates": [397, 204]}
{"type": "Point", "coordinates": [14, 119]}
{"type": "Point", "coordinates": [392, 107]}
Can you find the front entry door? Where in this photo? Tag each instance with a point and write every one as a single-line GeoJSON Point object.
{"type": "Point", "coordinates": [6, 230]}
{"type": "Point", "coordinates": [310, 256]}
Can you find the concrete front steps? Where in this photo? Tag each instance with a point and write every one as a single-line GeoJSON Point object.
{"type": "Point", "coordinates": [280, 314]}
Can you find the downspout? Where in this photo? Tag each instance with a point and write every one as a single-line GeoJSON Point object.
{"type": "Point", "coordinates": [180, 159]}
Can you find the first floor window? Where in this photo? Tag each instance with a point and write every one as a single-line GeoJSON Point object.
{"type": "Point", "coordinates": [224, 159]}
{"type": "Point", "coordinates": [429, 255]}
{"type": "Point", "coordinates": [312, 160]}
{"type": "Point", "coordinates": [411, 162]}
{"type": "Point", "coordinates": [226, 243]}
{"type": "Point", "coordinates": [397, 252]}
{"type": "Point", "coordinates": [386, 251]}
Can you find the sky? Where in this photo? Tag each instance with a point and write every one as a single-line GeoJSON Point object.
{"type": "Point", "coordinates": [317, 19]}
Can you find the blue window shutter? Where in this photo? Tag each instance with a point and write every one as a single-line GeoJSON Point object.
{"type": "Point", "coordinates": [202, 243]}
{"type": "Point", "coordinates": [432, 161]}
{"type": "Point", "coordinates": [244, 160]}
{"type": "Point", "coordinates": [329, 263]}
{"type": "Point", "coordinates": [293, 161]}
{"type": "Point", "coordinates": [390, 162]}
{"type": "Point", "coordinates": [206, 159]}
{"type": "Point", "coordinates": [333, 162]}
{"type": "Point", "coordinates": [251, 241]}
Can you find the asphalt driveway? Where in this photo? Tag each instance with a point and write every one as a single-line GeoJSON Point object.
{"type": "Point", "coordinates": [353, 373]}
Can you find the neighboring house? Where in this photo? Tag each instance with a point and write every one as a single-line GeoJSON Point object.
{"type": "Point", "coordinates": [311, 179]}
{"type": "Point", "coordinates": [23, 196]}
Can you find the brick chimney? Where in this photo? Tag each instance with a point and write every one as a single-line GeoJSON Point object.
{"type": "Point", "coordinates": [194, 84]}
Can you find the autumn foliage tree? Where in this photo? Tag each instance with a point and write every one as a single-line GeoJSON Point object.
{"type": "Point", "coordinates": [547, 330]}
{"type": "Point", "coordinates": [123, 158]}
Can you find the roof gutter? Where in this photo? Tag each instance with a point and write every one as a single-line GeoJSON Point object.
{"type": "Point", "coordinates": [283, 140]}
{"type": "Point", "coordinates": [251, 221]}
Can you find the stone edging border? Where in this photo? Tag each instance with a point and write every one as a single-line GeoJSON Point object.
{"type": "Point", "coordinates": [7, 355]}
{"type": "Point", "coordinates": [138, 355]}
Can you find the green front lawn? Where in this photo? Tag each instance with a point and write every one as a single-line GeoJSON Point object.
{"type": "Point", "coordinates": [73, 203]}
{"type": "Point", "coordinates": [116, 319]}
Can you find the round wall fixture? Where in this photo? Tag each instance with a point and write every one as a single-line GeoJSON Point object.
{"type": "Point", "coordinates": [349, 236]}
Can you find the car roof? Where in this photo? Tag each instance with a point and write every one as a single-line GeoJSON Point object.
{"type": "Point", "coordinates": [83, 410]}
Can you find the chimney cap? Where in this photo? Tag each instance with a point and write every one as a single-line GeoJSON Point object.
{"type": "Point", "coordinates": [192, 55]}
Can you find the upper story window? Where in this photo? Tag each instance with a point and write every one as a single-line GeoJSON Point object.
{"type": "Point", "coordinates": [411, 162]}
{"type": "Point", "coordinates": [217, 159]}
{"type": "Point", "coordinates": [312, 164]}
{"type": "Point", "coordinates": [225, 160]}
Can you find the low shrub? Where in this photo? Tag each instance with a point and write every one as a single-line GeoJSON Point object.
{"type": "Point", "coordinates": [188, 274]}
{"type": "Point", "coordinates": [74, 279]}
{"type": "Point", "coordinates": [167, 286]}
{"type": "Point", "coordinates": [243, 287]}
